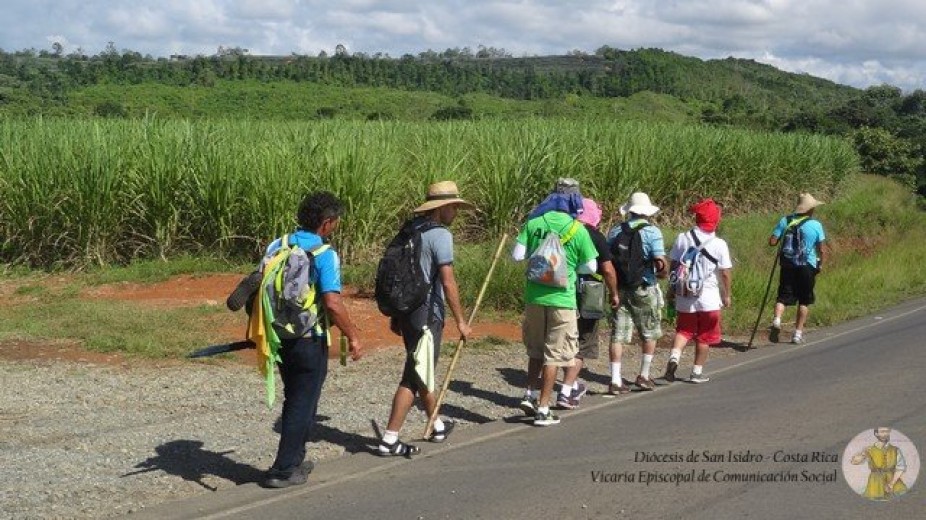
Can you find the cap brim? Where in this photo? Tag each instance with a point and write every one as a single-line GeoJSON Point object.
{"type": "Point", "coordinates": [434, 204]}
{"type": "Point", "coordinates": [646, 211]}
{"type": "Point", "coordinates": [808, 207]}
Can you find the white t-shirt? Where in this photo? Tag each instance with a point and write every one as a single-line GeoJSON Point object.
{"type": "Point", "coordinates": [710, 294]}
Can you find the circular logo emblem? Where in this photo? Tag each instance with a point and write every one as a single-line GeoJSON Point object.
{"type": "Point", "coordinates": [880, 464]}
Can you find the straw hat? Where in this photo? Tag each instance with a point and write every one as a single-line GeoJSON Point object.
{"type": "Point", "coordinates": [640, 204]}
{"type": "Point", "coordinates": [806, 202]}
{"type": "Point", "coordinates": [441, 194]}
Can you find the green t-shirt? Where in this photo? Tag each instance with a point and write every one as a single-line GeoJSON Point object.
{"type": "Point", "coordinates": [579, 250]}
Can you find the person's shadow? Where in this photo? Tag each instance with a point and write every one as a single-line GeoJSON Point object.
{"type": "Point", "coordinates": [467, 388]}
{"type": "Point", "coordinates": [188, 460]}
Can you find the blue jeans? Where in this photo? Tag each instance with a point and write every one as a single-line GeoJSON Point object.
{"type": "Point", "coordinates": [303, 369]}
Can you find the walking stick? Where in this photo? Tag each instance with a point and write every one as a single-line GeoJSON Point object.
{"type": "Point", "coordinates": [456, 354]}
{"type": "Point", "coordinates": [764, 299]}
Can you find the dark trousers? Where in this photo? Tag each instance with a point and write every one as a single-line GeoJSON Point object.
{"type": "Point", "coordinates": [410, 327]}
{"type": "Point", "coordinates": [303, 369]}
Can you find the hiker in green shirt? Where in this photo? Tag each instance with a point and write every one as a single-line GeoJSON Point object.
{"type": "Point", "coordinates": [549, 328]}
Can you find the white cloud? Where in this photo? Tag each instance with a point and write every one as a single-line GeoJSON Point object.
{"type": "Point", "coordinates": [861, 42]}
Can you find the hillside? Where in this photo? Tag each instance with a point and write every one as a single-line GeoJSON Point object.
{"type": "Point", "coordinates": [887, 127]}
{"type": "Point", "coordinates": [42, 83]}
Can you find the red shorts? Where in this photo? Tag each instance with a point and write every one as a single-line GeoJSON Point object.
{"type": "Point", "coordinates": [703, 327]}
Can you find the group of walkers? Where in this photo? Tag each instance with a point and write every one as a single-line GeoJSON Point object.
{"type": "Point", "coordinates": [576, 275]}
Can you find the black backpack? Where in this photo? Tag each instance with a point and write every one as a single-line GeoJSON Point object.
{"type": "Point", "coordinates": [401, 286]}
{"type": "Point", "coordinates": [792, 243]}
{"type": "Point", "coordinates": [627, 250]}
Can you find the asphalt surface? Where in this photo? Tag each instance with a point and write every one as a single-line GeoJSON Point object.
{"type": "Point", "coordinates": [785, 413]}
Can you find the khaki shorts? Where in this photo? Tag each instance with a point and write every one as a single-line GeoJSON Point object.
{"type": "Point", "coordinates": [550, 334]}
{"type": "Point", "coordinates": [640, 309]}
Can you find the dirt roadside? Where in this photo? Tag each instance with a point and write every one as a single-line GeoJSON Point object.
{"type": "Point", "coordinates": [212, 289]}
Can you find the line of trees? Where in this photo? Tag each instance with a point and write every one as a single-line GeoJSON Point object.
{"type": "Point", "coordinates": [888, 127]}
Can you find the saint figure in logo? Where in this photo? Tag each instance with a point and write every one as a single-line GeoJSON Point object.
{"type": "Point", "coordinates": [886, 464]}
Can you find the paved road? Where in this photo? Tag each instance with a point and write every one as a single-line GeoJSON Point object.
{"type": "Point", "coordinates": [772, 403]}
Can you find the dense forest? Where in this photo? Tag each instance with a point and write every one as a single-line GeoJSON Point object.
{"type": "Point", "coordinates": [887, 126]}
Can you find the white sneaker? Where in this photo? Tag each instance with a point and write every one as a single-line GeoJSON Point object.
{"type": "Point", "coordinates": [797, 339]}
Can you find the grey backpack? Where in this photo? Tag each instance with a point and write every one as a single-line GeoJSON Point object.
{"type": "Point", "coordinates": [289, 289]}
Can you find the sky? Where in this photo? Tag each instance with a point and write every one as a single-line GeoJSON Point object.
{"type": "Point", "coordinates": [854, 42]}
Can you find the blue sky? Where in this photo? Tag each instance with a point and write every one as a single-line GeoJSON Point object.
{"type": "Point", "coordinates": [855, 42]}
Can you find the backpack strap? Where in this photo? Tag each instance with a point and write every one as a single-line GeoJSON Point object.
{"type": "Point", "coordinates": [571, 232]}
{"type": "Point", "coordinates": [700, 245]}
{"type": "Point", "coordinates": [796, 222]}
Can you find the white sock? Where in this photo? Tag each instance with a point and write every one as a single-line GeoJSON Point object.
{"type": "Point", "coordinates": [438, 425]}
{"type": "Point", "coordinates": [798, 333]}
{"type": "Point", "coordinates": [776, 323]}
{"type": "Point", "coordinates": [675, 355]}
{"type": "Point", "coordinates": [575, 384]}
{"type": "Point", "coordinates": [565, 391]}
{"type": "Point", "coordinates": [530, 394]}
{"type": "Point", "coordinates": [696, 370]}
{"type": "Point", "coordinates": [390, 437]}
{"type": "Point", "coordinates": [645, 364]}
{"type": "Point", "coordinates": [616, 373]}
{"type": "Point", "coordinates": [543, 409]}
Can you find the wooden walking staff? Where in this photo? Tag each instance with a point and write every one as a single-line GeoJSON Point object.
{"type": "Point", "coordinates": [456, 355]}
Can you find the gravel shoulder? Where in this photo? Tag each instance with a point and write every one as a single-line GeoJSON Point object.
{"type": "Point", "coordinates": [86, 440]}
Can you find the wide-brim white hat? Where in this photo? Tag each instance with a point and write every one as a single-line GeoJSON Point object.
{"type": "Point", "coordinates": [640, 204]}
{"type": "Point", "coordinates": [441, 194]}
{"type": "Point", "coordinates": [806, 202]}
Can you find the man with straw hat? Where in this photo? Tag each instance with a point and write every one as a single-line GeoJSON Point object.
{"type": "Point", "coordinates": [423, 326]}
{"type": "Point", "coordinates": [801, 253]}
{"type": "Point", "coordinates": [639, 258]}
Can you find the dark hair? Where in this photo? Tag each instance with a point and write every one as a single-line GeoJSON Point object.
{"type": "Point", "coordinates": [317, 207]}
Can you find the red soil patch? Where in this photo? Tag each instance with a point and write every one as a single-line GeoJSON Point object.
{"type": "Point", "coordinates": [196, 290]}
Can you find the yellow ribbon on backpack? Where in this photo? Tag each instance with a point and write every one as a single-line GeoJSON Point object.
{"type": "Point", "coordinates": [263, 336]}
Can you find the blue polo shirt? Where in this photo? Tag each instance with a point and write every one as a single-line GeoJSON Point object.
{"type": "Point", "coordinates": [327, 266]}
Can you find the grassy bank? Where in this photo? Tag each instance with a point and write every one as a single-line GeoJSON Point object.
{"type": "Point", "coordinates": [876, 236]}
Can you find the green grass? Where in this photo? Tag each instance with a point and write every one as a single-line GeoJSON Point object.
{"type": "Point", "coordinates": [876, 234]}
{"type": "Point", "coordinates": [78, 193]}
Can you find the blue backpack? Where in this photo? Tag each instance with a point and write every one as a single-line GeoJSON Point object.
{"type": "Point", "coordinates": [687, 279]}
{"type": "Point", "coordinates": [793, 251]}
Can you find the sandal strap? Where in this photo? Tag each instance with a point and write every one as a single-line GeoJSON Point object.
{"type": "Point", "coordinates": [401, 449]}
{"type": "Point", "coordinates": [441, 435]}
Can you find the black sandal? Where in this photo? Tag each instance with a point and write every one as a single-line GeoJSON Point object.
{"type": "Point", "coordinates": [441, 436]}
{"type": "Point", "coordinates": [397, 449]}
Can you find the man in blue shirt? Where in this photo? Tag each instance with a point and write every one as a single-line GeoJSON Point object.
{"type": "Point", "coordinates": [304, 361]}
{"type": "Point", "coordinates": [799, 270]}
{"type": "Point", "coordinates": [640, 305]}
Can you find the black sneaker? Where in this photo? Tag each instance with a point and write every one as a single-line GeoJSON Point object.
{"type": "Point", "coordinates": [243, 291]}
{"type": "Point", "coordinates": [299, 476]}
{"type": "Point", "coordinates": [545, 419]}
{"type": "Point", "coordinates": [774, 333]}
{"type": "Point", "coordinates": [671, 367]}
